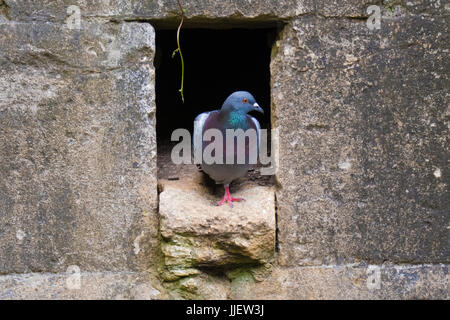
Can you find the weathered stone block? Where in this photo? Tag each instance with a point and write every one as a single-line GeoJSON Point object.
{"type": "Point", "coordinates": [77, 147]}
{"type": "Point", "coordinates": [56, 11]}
{"type": "Point", "coordinates": [198, 234]}
{"type": "Point", "coordinates": [203, 286]}
{"type": "Point", "coordinates": [211, 12]}
{"type": "Point", "coordinates": [370, 282]}
{"type": "Point", "coordinates": [85, 285]}
{"type": "Point", "coordinates": [362, 120]}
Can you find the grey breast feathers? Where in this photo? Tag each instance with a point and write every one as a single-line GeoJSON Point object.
{"type": "Point", "coordinates": [197, 140]}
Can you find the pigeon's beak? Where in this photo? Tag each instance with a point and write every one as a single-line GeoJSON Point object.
{"type": "Point", "coordinates": [258, 108]}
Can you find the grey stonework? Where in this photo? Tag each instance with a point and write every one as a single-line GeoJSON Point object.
{"type": "Point", "coordinates": [86, 285]}
{"type": "Point", "coordinates": [78, 151]}
{"type": "Point", "coordinates": [361, 189]}
{"type": "Point", "coordinates": [362, 118]}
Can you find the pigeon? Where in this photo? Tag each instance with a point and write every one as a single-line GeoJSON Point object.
{"type": "Point", "coordinates": [232, 115]}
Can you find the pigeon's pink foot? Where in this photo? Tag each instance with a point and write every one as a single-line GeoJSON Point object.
{"type": "Point", "coordinates": [228, 198]}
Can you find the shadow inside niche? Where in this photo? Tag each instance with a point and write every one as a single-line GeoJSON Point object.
{"type": "Point", "coordinates": [217, 63]}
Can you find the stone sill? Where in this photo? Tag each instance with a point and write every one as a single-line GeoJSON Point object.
{"type": "Point", "coordinates": [198, 234]}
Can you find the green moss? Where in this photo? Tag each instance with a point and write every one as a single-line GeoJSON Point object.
{"type": "Point", "coordinates": [184, 288]}
{"type": "Point", "coordinates": [240, 274]}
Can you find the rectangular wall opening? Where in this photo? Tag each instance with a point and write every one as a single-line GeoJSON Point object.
{"type": "Point", "coordinates": [217, 63]}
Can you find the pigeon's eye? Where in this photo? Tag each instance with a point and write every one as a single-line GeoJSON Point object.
{"type": "Point", "coordinates": [245, 100]}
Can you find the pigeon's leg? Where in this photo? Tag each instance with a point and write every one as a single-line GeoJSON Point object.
{"type": "Point", "coordinates": [228, 198]}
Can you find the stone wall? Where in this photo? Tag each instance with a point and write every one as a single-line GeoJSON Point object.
{"type": "Point", "coordinates": [361, 194]}
{"type": "Point", "coordinates": [362, 117]}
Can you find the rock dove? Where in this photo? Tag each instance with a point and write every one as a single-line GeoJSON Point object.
{"type": "Point", "coordinates": [232, 115]}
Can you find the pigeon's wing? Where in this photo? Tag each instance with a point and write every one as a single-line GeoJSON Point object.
{"type": "Point", "coordinates": [198, 132]}
{"type": "Point", "coordinates": [258, 129]}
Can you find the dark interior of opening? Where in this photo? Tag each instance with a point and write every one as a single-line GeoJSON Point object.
{"type": "Point", "coordinates": [217, 63]}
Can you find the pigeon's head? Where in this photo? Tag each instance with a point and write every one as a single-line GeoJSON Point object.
{"type": "Point", "coordinates": [241, 101]}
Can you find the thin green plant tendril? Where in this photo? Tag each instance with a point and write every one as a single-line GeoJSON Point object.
{"type": "Point", "coordinates": [179, 51]}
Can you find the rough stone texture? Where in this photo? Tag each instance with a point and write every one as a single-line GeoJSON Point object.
{"type": "Point", "coordinates": [90, 286]}
{"type": "Point", "coordinates": [196, 11]}
{"type": "Point", "coordinates": [330, 282]}
{"type": "Point", "coordinates": [198, 234]}
{"type": "Point", "coordinates": [78, 148]}
{"type": "Point", "coordinates": [347, 282]}
{"type": "Point", "coordinates": [363, 139]}
{"type": "Point", "coordinates": [202, 286]}
{"type": "Point", "coordinates": [363, 178]}
{"type": "Point", "coordinates": [317, 282]}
